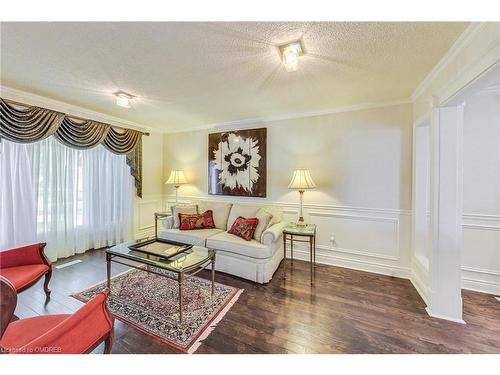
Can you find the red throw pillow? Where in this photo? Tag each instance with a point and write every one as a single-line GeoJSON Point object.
{"type": "Point", "coordinates": [196, 221]}
{"type": "Point", "coordinates": [244, 227]}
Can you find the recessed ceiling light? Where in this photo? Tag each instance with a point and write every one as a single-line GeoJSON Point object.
{"type": "Point", "coordinates": [123, 99]}
{"type": "Point", "coordinates": [290, 53]}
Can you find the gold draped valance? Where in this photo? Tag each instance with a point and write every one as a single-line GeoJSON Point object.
{"type": "Point", "coordinates": [29, 124]}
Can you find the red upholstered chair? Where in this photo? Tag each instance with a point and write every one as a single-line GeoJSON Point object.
{"type": "Point", "coordinates": [25, 265]}
{"type": "Point", "coordinates": [77, 333]}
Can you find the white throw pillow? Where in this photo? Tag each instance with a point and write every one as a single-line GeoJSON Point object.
{"type": "Point", "coordinates": [277, 214]}
{"type": "Point", "coordinates": [264, 218]}
{"type": "Point", "coordinates": [182, 209]}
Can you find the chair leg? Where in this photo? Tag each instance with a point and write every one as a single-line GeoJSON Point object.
{"type": "Point", "coordinates": [108, 343]}
{"type": "Point", "coordinates": [48, 275]}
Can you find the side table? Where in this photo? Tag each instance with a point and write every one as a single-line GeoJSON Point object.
{"type": "Point", "coordinates": [308, 232]}
{"type": "Point", "coordinates": [159, 215]}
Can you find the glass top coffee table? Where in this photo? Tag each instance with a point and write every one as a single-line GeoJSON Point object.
{"type": "Point", "coordinates": [185, 262]}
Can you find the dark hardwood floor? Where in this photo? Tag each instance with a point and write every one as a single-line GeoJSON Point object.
{"type": "Point", "coordinates": [346, 311]}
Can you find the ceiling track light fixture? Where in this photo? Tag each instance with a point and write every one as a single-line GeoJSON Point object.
{"type": "Point", "coordinates": [290, 53]}
{"type": "Point", "coordinates": [123, 99]}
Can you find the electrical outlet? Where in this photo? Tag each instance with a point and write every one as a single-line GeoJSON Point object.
{"type": "Point", "coordinates": [332, 238]}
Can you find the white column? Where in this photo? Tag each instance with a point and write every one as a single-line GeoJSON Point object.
{"type": "Point", "coordinates": [445, 258]}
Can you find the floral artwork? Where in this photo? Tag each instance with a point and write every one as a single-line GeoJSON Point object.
{"type": "Point", "coordinates": [237, 163]}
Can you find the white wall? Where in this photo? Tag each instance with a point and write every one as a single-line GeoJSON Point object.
{"type": "Point", "coordinates": [361, 162]}
{"type": "Point", "coordinates": [481, 219]}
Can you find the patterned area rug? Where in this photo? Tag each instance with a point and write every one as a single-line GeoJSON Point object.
{"type": "Point", "coordinates": [149, 303]}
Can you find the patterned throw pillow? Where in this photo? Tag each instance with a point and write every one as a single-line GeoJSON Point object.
{"type": "Point", "coordinates": [196, 221]}
{"type": "Point", "coordinates": [244, 227]}
{"type": "Point", "coordinates": [182, 209]}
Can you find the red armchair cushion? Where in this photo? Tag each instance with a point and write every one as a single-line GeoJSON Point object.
{"type": "Point", "coordinates": [22, 276]}
{"type": "Point", "coordinates": [21, 256]}
{"type": "Point", "coordinates": [22, 332]}
{"type": "Point", "coordinates": [72, 334]}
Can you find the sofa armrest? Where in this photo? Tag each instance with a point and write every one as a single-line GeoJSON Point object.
{"type": "Point", "coordinates": [31, 254]}
{"type": "Point", "coordinates": [168, 222]}
{"type": "Point", "coordinates": [273, 233]}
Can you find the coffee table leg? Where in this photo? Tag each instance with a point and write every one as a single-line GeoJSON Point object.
{"type": "Point", "coordinates": [108, 271]}
{"type": "Point", "coordinates": [213, 275]}
{"type": "Point", "coordinates": [180, 279]}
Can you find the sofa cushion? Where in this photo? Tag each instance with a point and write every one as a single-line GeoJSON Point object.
{"type": "Point", "coordinates": [182, 209]}
{"type": "Point", "coordinates": [220, 212]}
{"type": "Point", "coordinates": [244, 210]}
{"type": "Point", "coordinates": [233, 244]}
{"type": "Point", "coordinates": [192, 237]}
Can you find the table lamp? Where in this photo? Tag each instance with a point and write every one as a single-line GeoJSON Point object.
{"type": "Point", "coordinates": [176, 178]}
{"type": "Point", "coordinates": [301, 181]}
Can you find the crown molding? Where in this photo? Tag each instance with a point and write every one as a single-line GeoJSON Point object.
{"type": "Point", "coordinates": [454, 50]}
{"type": "Point", "coordinates": [296, 115]}
{"type": "Point", "coordinates": [70, 109]}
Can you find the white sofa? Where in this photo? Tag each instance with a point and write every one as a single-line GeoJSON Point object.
{"type": "Point", "coordinates": [253, 260]}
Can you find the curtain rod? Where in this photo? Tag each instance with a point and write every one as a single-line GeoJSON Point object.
{"type": "Point", "coordinates": [74, 117]}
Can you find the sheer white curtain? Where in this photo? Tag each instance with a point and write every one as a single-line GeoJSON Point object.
{"type": "Point", "coordinates": [17, 199]}
{"type": "Point", "coordinates": [84, 198]}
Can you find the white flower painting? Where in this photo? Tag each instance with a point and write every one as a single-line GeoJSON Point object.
{"type": "Point", "coordinates": [236, 164]}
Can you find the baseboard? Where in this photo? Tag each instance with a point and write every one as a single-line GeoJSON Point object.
{"type": "Point", "coordinates": [481, 280]}
{"type": "Point", "coordinates": [420, 287]}
{"type": "Point", "coordinates": [483, 286]}
{"type": "Point", "coordinates": [461, 321]}
{"type": "Point", "coordinates": [357, 264]}
{"type": "Point", "coordinates": [419, 275]}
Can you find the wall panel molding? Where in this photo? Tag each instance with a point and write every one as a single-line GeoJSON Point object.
{"type": "Point", "coordinates": [289, 205]}
{"type": "Point", "coordinates": [481, 238]}
{"type": "Point", "coordinates": [388, 228]}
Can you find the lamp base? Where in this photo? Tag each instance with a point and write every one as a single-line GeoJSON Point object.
{"type": "Point", "coordinates": [300, 222]}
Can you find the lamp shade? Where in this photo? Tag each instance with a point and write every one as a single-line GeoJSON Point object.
{"type": "Point", "coordinates": [176, 178]}
{"type": "Point", "coordinates": [301, 180]}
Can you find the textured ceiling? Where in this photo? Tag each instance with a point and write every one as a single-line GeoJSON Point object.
{"type": "Point", "coordinates": [186, 75]}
